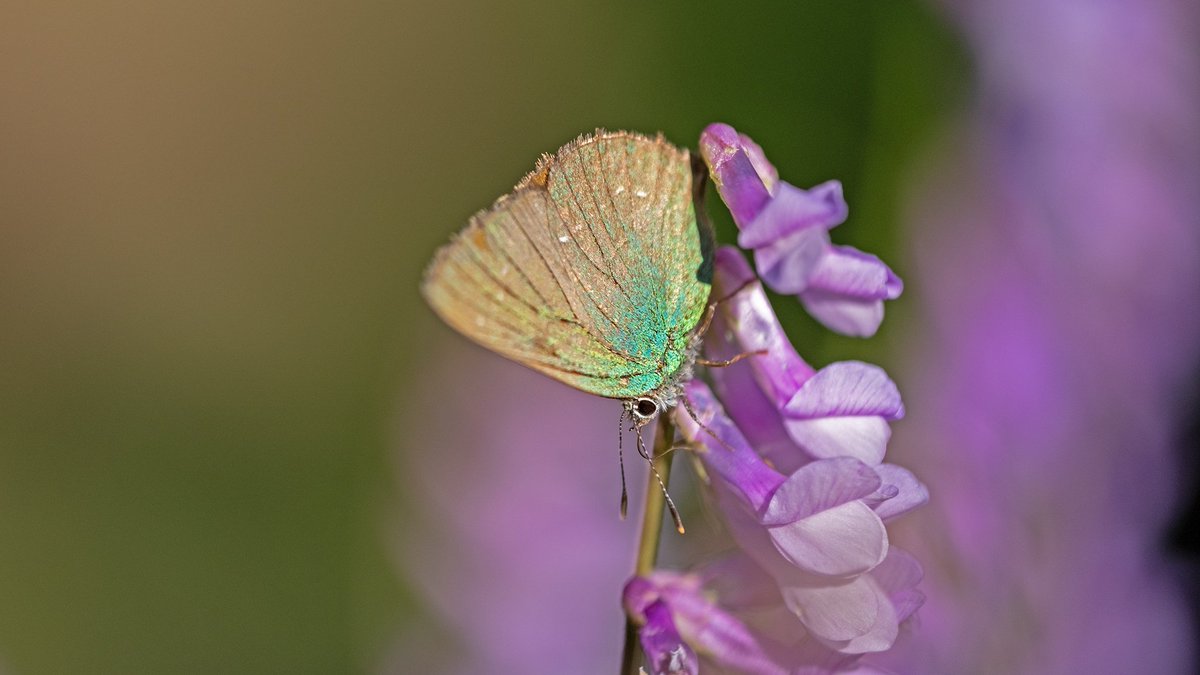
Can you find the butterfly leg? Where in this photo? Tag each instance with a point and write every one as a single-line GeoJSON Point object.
{"type": "Point", "coordinates": [711, 310]}
{"type": "Point", "coordinates": [690, 411]}
{"type": "Point", "coordinates": [730, 362]}
{"type": "Point", "coordinates": [729, 296]}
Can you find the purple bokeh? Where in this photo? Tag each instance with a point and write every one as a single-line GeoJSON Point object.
{"type": "Point", "coordinates": [1056, 258]}
{"type": "Point", "coordinates": [515, 541]}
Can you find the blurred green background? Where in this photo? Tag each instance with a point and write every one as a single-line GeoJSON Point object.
{"type": "Point", "coordinates": [214, 220]}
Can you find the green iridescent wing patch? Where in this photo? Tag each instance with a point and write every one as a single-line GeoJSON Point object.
{"type": "Point", "coordinates": [593, 271]}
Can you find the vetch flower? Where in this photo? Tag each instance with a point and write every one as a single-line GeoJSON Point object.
{"type": "Point", "coordinates": [667, 651]}
{"type": "Point", "coordinates": [788, 230]}
{"type": "Point", "coordinates": [665, 600]}
{"type": "Point", "coordinates": [816, 531]}
{"type": "Point", "coordinates": [791, 411]}
{"type": "Point", "coordinates": [732, 613]}
{"type": "Point", "coordinates": [795, 511]}
{"type": "Point", "coordinates": [792, 457]}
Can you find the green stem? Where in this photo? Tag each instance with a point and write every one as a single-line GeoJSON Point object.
{"type": "Point", "coordinates": [652, 526]}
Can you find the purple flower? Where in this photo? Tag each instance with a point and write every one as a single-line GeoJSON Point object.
{"type": "Point", "coordinates": [666, 649]}
{"type": "Point", "coordinates": [732, 613]}
{"type": "Point", "coordinates": [788, 229]}
{"type": "Point", "coordinates": [1058, 258]}
{"type": "Point", "coordinates": [793, 460]}
{"type": "Point", "coordinates": [796, 512]}
{"type": "Point", "coordinates": [815, 531]}
{"type": "Point", "coordinates": [791, 411]}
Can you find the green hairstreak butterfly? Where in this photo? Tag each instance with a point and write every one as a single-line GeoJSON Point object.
{"type": "Point", "coordinates": [595, 270]}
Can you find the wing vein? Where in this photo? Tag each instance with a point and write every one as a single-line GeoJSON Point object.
{"type": "Point", "coordinates": [583, 216]}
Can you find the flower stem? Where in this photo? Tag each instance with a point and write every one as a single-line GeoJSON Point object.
{"type": "Point", "coordinates": [652, 526]}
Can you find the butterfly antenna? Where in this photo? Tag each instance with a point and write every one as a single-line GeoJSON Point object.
{"type": "Point", "coordinates": [641, 445]}
{"type": "Point", "coordinates": [621, 462]}
{"type": "Point", "coordinates": [670, 502]}
{"type": "Point", "coordinates": [688, 407]}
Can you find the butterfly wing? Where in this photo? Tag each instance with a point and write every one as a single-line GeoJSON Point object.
{"type": "Point", "coordinates": [593, 271]}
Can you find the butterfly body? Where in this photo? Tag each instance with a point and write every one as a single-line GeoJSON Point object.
{"type": "Point", "coordinates": [594, 270]}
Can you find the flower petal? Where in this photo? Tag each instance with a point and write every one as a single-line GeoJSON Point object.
{"type": "Point", "coordinates": [898, 576]}
{"type": "Point", "coordinates": [867, 670]}
{"type": "Point", "coordinates": [836, 613]}
{"type": "Point", "coordinates": [787, 264]}
{"type": "Point", "coordinates": [907, 602]}
{"type": "Point", "coordinates": [841, 541]}
{"type": "Point", "coordinates": [854, 618]}
{"type": "Point", "coordinates": [665, 649]}
{"type": "Point", "coordinates": [755, 414]}
{"type": "Point", "coordinates": [847, 271]}
{"type": "Point", "coordinates": [909, 492]}
{"type": "Point", "coordinates": [884, 493]}
{"type": "Point", "coordinates": [766, 171]}
{"type": "Point", "coordinates": [737, 178]}
{"type": "Point", "coordinates": [722, 637]}
{"type": "Point", "coordinates": [691, 614]}
{"type": "Point", "coordinates": [818, 486]}
{"type": "Point", "coordinates": [740, 582]}
{"type": "Point", "coordinates": [754, 326]}
{"type": "Point", "coordinates": [864, 438]}
{"type": "Point", "coordinates": [791, 209]}
{"type": "Point", "coordinates": [843, 411]}
{"type": "Point", "coordinates": [727, 456]}
{"type": "Point", "coordinates": [845, 290]}
{"type": "Point", "coordinates": [882, 635]}
{"type": "Point", "coordinates": [852, 317]}
{"type": "Point", "coordinates": [847, 388]}
{"type": "Point", "coordinates": [899, 571]}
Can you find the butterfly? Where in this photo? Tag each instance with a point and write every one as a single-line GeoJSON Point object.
{"type": "Point", "coordinates": [595, 270]}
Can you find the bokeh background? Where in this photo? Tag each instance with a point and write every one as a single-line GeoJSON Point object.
{"type": "Point", "coordinates": [233, 439]}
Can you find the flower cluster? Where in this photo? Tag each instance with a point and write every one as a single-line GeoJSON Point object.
{"type": "Point", "coordinates": [788, 230]}
{"type": "Point", "coordinates": [793, 456]}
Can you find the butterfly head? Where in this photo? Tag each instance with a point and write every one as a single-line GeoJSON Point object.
{"type": "Point", "coordinates": [644, 409]}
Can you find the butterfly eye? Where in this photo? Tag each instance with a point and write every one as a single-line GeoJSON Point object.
{"type": "Point", "coordinates": [646, 407]}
